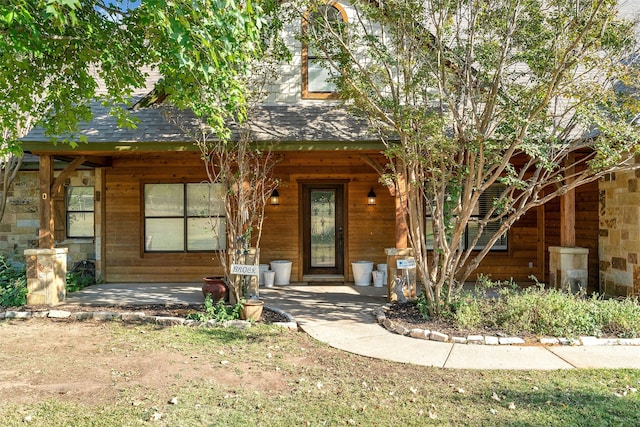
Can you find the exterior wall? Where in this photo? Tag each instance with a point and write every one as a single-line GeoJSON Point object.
{"type": "Point", "coordinates": [20, 224]}
{"type": "Point", "coordinates": [620, 234]}
{"type": "Point", "coordinates": [368, 229]}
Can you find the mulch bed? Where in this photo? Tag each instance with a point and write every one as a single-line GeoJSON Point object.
{"type": "Point", "coordinates": [408, 315]}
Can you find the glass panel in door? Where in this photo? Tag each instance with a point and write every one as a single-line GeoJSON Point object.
{"type": "Point", "coordinates": [323, 228]}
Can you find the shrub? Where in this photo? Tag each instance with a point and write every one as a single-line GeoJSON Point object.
{"type": "Point", "coordinates": [220, 312]}
{"type": "Point", "coordinates": [540, 311]}
{"type": "Point", "coordinates": [13, 284]}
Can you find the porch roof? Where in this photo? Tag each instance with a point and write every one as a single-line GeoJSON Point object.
{"type": "Point", "coordinates": [290, 127]}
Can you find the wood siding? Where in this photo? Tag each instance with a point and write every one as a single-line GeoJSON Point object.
{"type": "Point", "coordinates": [368, 229]}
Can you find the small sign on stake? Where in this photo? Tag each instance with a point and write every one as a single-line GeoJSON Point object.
{"type": "Point", "coordinates": [406, 264]}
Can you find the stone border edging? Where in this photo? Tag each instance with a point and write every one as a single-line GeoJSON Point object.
{"type": "Point", "coordinates": [424, 334]}
{"type": "Point", "coordinates": [141, 317]}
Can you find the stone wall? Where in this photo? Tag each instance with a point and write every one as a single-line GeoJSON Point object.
{"type": "Point", "coordinates": [20, 224]}
{"type": "Point", "coordinates": [619, 245]}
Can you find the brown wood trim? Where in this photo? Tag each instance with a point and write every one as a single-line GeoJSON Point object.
{"type": "Point", "coordinates": [46, 231]}
{"type": "Point", "coordinates": [305, 59]}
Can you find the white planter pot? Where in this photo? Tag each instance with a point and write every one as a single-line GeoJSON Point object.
{"type": "Point", "coordinates": [378, 278]}
{"type": "Point", "coordinates": [362, 272]}
{"type": "Point", "coordinates": [269, 278]}
{"type": "Point", "coordinates": [282, 268]}
{"type": "Point", "coordinates": [262, 268]}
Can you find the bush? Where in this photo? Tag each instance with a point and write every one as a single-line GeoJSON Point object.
{"type": "Point", "coordinates": [219, 312]}
{"type": "Point", "coordinates": [13, 284]}
{"type": "Point", "coordinates": [539, 311]}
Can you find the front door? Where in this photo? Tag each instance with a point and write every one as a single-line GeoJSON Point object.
{"type": "Point", "coordinates": [323, 229]}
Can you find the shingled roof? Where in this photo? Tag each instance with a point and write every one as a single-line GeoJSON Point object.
{"type": "Point", "coordinates": [301, 124]}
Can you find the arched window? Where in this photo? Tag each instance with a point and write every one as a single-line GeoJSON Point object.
{"type": "Point", "coordinates": [316, 73]}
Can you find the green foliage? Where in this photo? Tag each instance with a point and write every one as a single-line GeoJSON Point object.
{"type": "Point", "coordinates": [545, 312]}
{"type": "Point", "coordinates": [77, 281]}
{"type": "Point", "coordinates": [469, 94]}
{"type": "Point", "coordinates": [13, 284]}
{"type": "Point", "coordinates": [220, 312]}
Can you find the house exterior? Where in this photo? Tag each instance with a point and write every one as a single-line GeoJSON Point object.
{"type": "Point", "coordinates": [103, 191]}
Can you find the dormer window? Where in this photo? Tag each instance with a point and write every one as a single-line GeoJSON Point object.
{"type": "Point", "coordinates": [316, 73]}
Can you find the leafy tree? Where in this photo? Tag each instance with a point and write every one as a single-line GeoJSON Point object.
{"type": "Point", "coordinates": [59, 56]}
{"type": "Point", "coordinates": [518, 100]}
{"type": "Point", "coordinates": [55, 57]}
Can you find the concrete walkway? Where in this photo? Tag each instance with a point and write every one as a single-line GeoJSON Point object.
{"type": "Point", "coordinates": [341, 316]}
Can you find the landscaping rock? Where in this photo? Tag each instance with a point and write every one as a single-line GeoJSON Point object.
{"type": "Point", "coordinates": [169, 321]}
{"type": "Point", "coordinates": [419, 333]}
{"type": "Point", "coordinates": [438, 336]}
{"type": "Point", "coordinates": [490, 340]}
{"type": "Point", "coordinates": [510, 340]}
{"type": "Point", "coordinates": [475, 339]}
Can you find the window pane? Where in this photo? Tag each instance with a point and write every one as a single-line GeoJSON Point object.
{"type": "Point", "coordinates": [164, 200]}
{"type": "Point", "coordinates": [205, 200]}
{"type": "Point", "coordinates": [80, 199]}
{"type": "Point", "coordinates": [164, 234]}
{"type": "Point", "coordinates": [489, 231]}
{"type": "Point", "coordinates": [206, 234]}
{"type": "Point", "coordinates": [318, 78]}
{"type": "Point", "coordinates": [80, 224]}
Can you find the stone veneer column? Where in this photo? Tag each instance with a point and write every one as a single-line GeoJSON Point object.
{"type": "Point", "coordinates": [46, 275]}
{"type": "Point", "coordinates": [619, 242]}
{"type": "Point", "coordinates": [568, 268]}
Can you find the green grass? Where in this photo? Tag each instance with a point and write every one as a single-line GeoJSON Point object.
{"type": "Point", "coordinates": [266, 376]}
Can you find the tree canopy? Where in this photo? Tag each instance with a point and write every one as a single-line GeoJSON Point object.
{"type": "Point", "coordinates": [488, 109]}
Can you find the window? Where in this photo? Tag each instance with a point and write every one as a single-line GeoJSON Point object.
{"type": "Point", "coordinates": [79, 212]}
{"type": "Point", "coordinates": [485, 203]}
{"type": "Point", "coordinates": [184, 217]}
{"type": "Point", "coordinates": [316, 75]}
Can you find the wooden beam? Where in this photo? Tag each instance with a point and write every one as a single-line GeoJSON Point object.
{"type": "Point", "coordinates": [45, 235]}
{"type": "Point", "coordinates": [58, 184]}
{"type": "Point", "coordinates": [49, 190]}
{"type": "Point", "coordinates": [568, 208]}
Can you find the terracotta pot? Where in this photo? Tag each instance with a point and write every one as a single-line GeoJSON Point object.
{"type": "Point", "coordinates": [216, 287]}
{"type": "Point", "coordinates": [252, 310]}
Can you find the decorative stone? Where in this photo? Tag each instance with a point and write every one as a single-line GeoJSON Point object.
{"type": "Point", "coordinates": [489, 340]}
{"type": "Point", "coordinates": [17, 314]}
{"type": "Point", "coordinates": [459, 340]}
{"type": "Point", "coordinates": [59, 314]}
{"type": "Point", "coordinates": [475, 339]}
{"type": "Point", "coordinates": [83, 315]}
{"type": "Point", "coordinates": [629, 341]}
{"type": "Point", "coordinates": [2, 314]}
{"type": "Point", "coordinates": [593, 341]}
{"type": "Point", "coordinates": [401, 330]}
{"type": "Point", "coordinates": [105, 315]}
{"type": "Point", "coordinates": [169, 321]}
{"type": "Point", "coordinates": [388, 324]}
{"type": "Point", "coordinates": [438, 336]}
{"type": "Point", "coordinates": [549, 341]}
{"type": "Point", "coordinates": [133, 316]}
{"type": "Point", "coordinates": [568, 341]}
{"type": "Point", "coordinates": [422, 334]}
{"type": "Point", "coordinates": [40, 314]}
{"type": "Point", "coordinates": [510, 340]}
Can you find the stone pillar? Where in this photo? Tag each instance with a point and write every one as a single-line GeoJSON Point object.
{"type": "Point", "coordinates": [393, 255]}
{"type": "Point", "coordinates": [46, 275]}
{"type": "Point", "coordinates": [568, 268]}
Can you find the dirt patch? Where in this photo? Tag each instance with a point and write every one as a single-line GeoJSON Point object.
{"type": "Point", "coordinates": [85, 362]}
